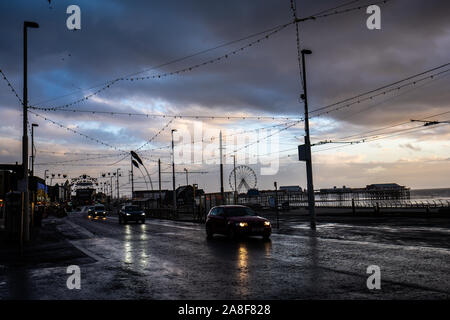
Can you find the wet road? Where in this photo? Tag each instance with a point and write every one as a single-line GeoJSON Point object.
{"type": "Point", "coordinates": [174, 260]}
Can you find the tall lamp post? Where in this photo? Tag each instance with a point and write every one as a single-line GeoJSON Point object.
{"type": "Point", "coordinates": [32, 147]}
{"type": "Point", "coordinates": [45, 176]}
{"type": "Point", "coordinates": [117, 182]}
{"type": "Point", "coordinates": [234, 170]}
{"type": "Point", "coordinates": [309, 173]}
{"type": "Point", "coordinates": [26, 217]}
{"type": "Point", "coordinates": [45, 182]}
{"type": "Point", "coordinates": [187, 178]}
{"type": "Point", "coordinates": [222, 194]}
{"type": "Point", "coordinates": [173, 172]}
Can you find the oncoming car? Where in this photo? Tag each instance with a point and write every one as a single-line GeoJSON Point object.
{"type": "Point", "coordinates": [235, 221]}
{"type": "Point", "coordinates": [131, 213]}
{"type": "Point", "coordinates": [97, 212]}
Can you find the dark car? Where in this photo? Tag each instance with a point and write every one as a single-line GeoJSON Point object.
{"type": "Point", "coordinates": [97, 212]}
{"type": "Point", "coordinates": [131, 213]}
{"type": "Point", "coordinates": [236, 221]}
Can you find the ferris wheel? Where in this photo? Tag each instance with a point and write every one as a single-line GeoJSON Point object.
{"type": "Point", "coordinates": [243, 177]}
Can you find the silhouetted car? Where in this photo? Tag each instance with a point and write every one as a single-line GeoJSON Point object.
{"type": "Point", "coordinates": [235, 221]}
{"type": "Point", "coordinates": [131, 213]}
{"type": "Point", "coordinates": [97, 212]}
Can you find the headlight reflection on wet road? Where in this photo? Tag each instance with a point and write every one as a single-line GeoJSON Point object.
{"type": "Point", "coordinates": [243, 276]}
{"type": "Point", "coordinates": [135, 245]}
{"type": "Point", "coordinates": [128, 245]}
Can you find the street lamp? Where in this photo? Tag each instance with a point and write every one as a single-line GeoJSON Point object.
{"type": "Point", "coordinates": [173, 172]}
{"type": "Point", "coordinates": [26, 217]}
{"type": "Point", "coordinates": [309, 173]}
{"type": "Point", "coordinates": [117, 182]}
{"type": "Point", "coordinates": [187, 181]}
{"type": "Point", "coordinates": [32, 147]}
{"type": "Point", "coordinates": [234, 170]}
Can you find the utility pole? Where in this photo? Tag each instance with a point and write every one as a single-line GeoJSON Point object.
{"type": "Point", "coordinates": [276, 204]}
{"type": "Point", "coordinates": [309, 173]}
{"type": "Point", "coordinates": [26, 217]}
{"type": "Point", "coordinates": [159, 182]}
{"type": "Point", "coordinates": [132, 179]}
{"type": "Point", "coordinates": [32, 147]}
{"type": "Point", "coordinates": [221, 168]}
{"type": "Point", "coordinates": [111, 189]}
{"type": "Point", "coordinates": [173, 174]}
{"type": "Point", "coordinates": [194, 187]}
{"type": "Point", "coordinates": [117, 182]}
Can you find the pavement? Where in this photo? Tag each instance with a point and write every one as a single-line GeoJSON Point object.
{"type": "Point", "coordinates": [165, 259]}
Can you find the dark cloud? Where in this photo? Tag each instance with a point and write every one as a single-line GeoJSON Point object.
{"type": "Point", "coordinates": [123, 37]}
{"type": "Point", "coordinates": [119, 37]}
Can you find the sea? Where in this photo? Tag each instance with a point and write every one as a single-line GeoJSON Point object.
{"type": "Point", "coordinates": [430, 194]}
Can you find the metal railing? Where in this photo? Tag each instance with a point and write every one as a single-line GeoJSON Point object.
{"type": "Point", "coordinates": [265, 201]}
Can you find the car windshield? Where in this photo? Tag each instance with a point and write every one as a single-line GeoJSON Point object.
{"type": "Point", "coordinates": [132, 208]}
{"type": "Point", "coordinates": [100, 208]}
{"type": "Point", "coordinates": [239, 212]}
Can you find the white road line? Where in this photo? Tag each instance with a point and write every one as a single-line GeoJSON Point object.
{"type": "Point", "coordinates": [373, 244]}
{"type": "Point", "coordinates": [340, 241]}
{"type": "Point", "coordinates": [86, 251]}
{"type": "Point", "coordinates": [81, 229]}
{"type": "Point", "coordinates": [153, 222]}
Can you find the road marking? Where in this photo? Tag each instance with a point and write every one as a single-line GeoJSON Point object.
{"type": "Point", "coordinates": [379, 245]}
{"type": "Point", "coordinates": [290, 237]}
{"type": "Point", "coordinates": [153, 222]}
{"type": "Point", "coordinates": [81, 229]}
{"type": "Point", "coordinates": [340, 241]}
{"type": "Point", "coordinates": [86, 252]}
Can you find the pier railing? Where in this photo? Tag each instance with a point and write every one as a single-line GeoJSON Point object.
{"type": "Point", "coordinates": [268, 201]}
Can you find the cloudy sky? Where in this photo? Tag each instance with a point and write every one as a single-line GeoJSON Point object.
{"type": "Point", "coordinates": [123, 39]}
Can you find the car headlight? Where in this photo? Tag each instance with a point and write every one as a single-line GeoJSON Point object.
{"type": "Point", "coordinates": [127, 214]}
{"type": "Point", "coordinates": [243, 224]}
{"type": "Point", "coordinates": [266, 223]}
{"type": "Point", "coordinates": [142, 214]}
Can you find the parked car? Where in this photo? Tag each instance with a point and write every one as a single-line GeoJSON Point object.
{"type": "Point", "coordinates": [97, 212]}
{"type": "Point", "coordinates": [235, 221]}
{"type": "Point", "coordinates": [131, 213]}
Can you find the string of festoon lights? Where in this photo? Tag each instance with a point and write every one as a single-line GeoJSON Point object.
{"type": "Point", "coordinates": [94, 156]}
{"type": "Point", "coordinates": [230, 53]}
{"type": "Point", "coordinates": [76, 132]}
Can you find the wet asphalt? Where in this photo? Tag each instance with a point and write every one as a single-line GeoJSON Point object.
{"type": "Point", "coordinates": [165, 259]}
